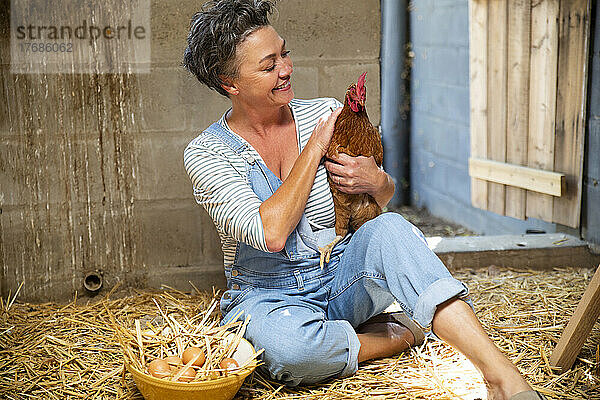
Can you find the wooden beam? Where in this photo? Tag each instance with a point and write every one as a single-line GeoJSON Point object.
{"type": "Point", "coordinates": [517, 129]}
{"type": "Point", "coordinates": [542, 99]}
{"type": "Point", "coordinates": [478, 38]}
{"type": "Point", "coordinates": [573, 50]}
{"type": "Point", "coordinates": [497, 101]}
{"type": "Point", "coordinates": [579, 327]}
{"type": "Point", "coordinates": [547, 182]}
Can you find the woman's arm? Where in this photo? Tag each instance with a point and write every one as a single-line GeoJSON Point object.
{"type": "Point", "coordinates": [361, 175]}
{"type": "Point", "coordinates": [281, 212]}
{"type": "Point", "coordinates": [224, 193]}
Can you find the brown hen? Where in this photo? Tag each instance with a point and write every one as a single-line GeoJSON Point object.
{"type": "Point", "coordinates": [354, 135]}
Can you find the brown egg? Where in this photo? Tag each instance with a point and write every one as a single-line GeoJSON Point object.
{"type": "Point", "coordinates": [191, 353]}
{"type": "Point", "coordinates": [188, 375]}
{"type": "Point", "coordinates": [228, 363]}
{"type": "Point", "coordinates": [214, 374]}
{"type": "Point", "coordinates": [173, 361]}
{"type": "Point", "coordinates": [159, 368]}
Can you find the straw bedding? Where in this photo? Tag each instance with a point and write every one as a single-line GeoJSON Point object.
{"type": "Point", "coordinates": [50, 351]}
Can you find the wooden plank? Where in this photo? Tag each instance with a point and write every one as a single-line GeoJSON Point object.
{"type": "Point", "coordinates": [547, 182]}
{"type": "Point", "coordinates": [478, 19]}
{"type": "Point", "coordinates": [542, 99]}
{"type": "Point", "coordinates": [573, 47]}
{"type": "Point", "coordinates": [579, 327]}
{"type": "Point", "coordinates": [519, 50]}
{"type": "Point", "coordinates": [497, 77]}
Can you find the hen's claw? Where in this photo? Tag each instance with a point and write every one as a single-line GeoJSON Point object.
{"type": "Point", "coordinates": [327, 250]}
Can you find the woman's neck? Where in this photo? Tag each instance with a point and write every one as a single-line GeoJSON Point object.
{"type": "Point", "coordinates": [257, 121]}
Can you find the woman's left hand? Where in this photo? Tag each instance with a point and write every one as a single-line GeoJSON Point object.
{"type": "Point", "coordinates": [356, 174]}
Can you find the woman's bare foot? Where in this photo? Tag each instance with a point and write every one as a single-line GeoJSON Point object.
{"type": "Point", "coordinates": [383, 339]}
{"type": "Point", "coordinates": [457, 325]}
{"type": "Point", "coordinates": [505, 386]}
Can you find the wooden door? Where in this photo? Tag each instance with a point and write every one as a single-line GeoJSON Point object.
{"type": "Point", "coordinates": [528, 71]}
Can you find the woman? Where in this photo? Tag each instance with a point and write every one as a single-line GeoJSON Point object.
{"type": "Point", "coordinates": [258, 173]}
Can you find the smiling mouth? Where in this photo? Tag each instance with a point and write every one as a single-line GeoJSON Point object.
{"type": "Point", "coordinates": [284, 86]}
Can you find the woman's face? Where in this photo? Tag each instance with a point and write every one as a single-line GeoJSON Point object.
{"type": "Point", "coordinates": [265, 70]}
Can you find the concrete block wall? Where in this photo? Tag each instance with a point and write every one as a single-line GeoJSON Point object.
{"type": "Point", "coordinates": [84, 188]}
{"type": "Point", "coordinates": [440, 136]}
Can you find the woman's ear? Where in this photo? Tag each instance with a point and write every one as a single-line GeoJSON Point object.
{"type": "Point", "coordinates": [229, 86]}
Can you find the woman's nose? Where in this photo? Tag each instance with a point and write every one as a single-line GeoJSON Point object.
{"type": "Point", "coordinates": [286, 69]}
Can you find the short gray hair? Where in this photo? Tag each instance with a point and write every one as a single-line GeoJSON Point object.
{"type": "Point", "coordinates": [215, 33]}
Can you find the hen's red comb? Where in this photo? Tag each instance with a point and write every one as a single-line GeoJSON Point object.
{"type": "Point", "coordinates": [360, 85]}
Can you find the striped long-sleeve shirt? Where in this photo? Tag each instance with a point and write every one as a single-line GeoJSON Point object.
{"type": "Point", "coordinates": [218, 176]}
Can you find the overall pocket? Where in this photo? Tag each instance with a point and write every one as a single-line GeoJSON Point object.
{"type": "Point", "coordinates": [233, 297]}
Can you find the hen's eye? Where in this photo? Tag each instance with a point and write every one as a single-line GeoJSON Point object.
{"type": "Point", "coordinates": [285, 53]}
{"type": "Point", "coordinates": [271, 68]}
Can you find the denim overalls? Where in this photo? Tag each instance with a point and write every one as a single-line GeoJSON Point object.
{"type": "Point", "coordinates": [304, 316]}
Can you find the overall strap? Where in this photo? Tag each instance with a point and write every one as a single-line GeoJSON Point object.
{"type": "Point", "coordinates": [231, 140]}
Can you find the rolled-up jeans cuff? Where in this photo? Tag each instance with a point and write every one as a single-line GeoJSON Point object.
{"type": "Point", "coordinates": [437, 293]}
{"type": "Point", "coordinates": [353, 349]}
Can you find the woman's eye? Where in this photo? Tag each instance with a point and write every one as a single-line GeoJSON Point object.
{"type": "Point", "coordinates": [272, 67]}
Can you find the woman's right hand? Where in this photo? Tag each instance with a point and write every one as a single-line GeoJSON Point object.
{"type": "Point", "coordinates": [323, 132]}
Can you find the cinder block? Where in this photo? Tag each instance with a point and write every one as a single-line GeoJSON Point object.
{"type": "Point", "coordinates": [176, 233]}
{"type": "Point", "coordinates": [420, 99]}
{"type": "Point", "coordinates": [429, 171]}
{"type": "Point", "coordinates": [203, 277]}
{"type": "Point", "coordinates": [594, 87]}
{"type": "Point", "coordinates": [450, 102]}
{"type": "Point", "coordinates": [161, 174]}
{"type": "Point", "coordinates": [420, 23]}
{"type": "Point", "coordinates": [315, 29]}
{"type": "Point", "coordinates": [305, 80]}
{"type": "Point", "coordinates": [462, 69]}
{"type": "Point", "coordinates": [335, 78]}
{"type": "Point", "coordinates": [447, 139]}
{"type": "Point", "coordinates": [199, 117]}
{"type": "Point", "coordinates": [592, 164]}
{"type": "Point", "coordinates": [160, 103]}
{"type": "Point", "coordinates": [463, 136]}
{"type": "Point", "coordinates": [437, 94]}
{"type": "Point", "coordinates": [591, 213]}
{"type": "Point", "coordinates": [418, 138]}
{"type": "Point", "coordinates": [450, 25]}
{"type": "Point", "coordinates": [170, 22]}
{"type": "Point", "coordinates": [449, 65]}
{"type": "Point", "coordinates": [458, 183]}
{"type": "Point", "coordinates": [458, 104]}
{"type": "Point", "coordinates": [204, 106]}
{"type": "Point", "coordinates": [420, 70]}
{"type": "Point", "coordinates": [51, 248]}
{"type": "Point", "coordinates": [43, 169]}
{"type": "Point", "coordinates": [74, 105]}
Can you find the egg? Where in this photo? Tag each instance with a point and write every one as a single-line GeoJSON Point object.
{"type": "Point", "coordinates": [190, 353]}
{"type": "Point", "coordinates": [188, 374]}
{"type": "Point", "coordinates": [159, 368]}
{"type": "Point", "coordinates": [214, 374]}
{"type": "Point", "coordinates": [229, 363]}
{"type": "Point", "coordinates": [173, 361]}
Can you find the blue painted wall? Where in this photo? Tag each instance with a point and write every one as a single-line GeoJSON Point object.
{"type": "Point", "coordinates": [440, 138]}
